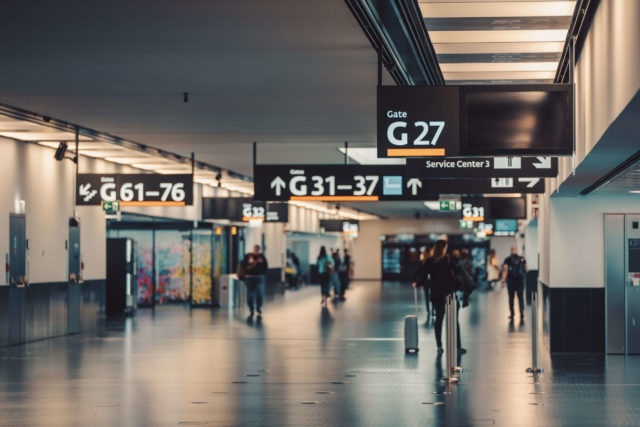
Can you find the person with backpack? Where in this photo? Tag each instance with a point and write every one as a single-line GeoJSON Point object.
{"type": "Point", "coordinates": [324, 262]}
{"type": "Point", "coordinates": [514, 273]}
{"type": "Point", "coordinates": [253, 270]}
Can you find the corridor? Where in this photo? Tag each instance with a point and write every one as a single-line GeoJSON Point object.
{"type": "Point", "coordinates": [303, 366]}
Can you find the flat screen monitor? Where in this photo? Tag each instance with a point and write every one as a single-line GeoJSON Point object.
{"type": "Point", "coordinates": [505, 226]}
{"type": "Point", "coordinates": [516, 120]}
{"type": "Point", "coordinates": [507, 208]}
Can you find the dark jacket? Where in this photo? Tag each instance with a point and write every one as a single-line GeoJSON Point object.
{"type": "Point", "coordinates": [256, 268]}
{"type": "Point", "coordinates": [439, 274]}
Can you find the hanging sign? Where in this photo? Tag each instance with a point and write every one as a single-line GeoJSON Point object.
{"type": "Point", "coordinates": [344, 183]}
{"type": "Point", "coordinates": [475, 120]}
{"type": "Point", "coordinates": [418, 121]}
{"type": "Point", "coordinates": [134, 189]}
{"type": "Point", "coordinates": [483, 167]}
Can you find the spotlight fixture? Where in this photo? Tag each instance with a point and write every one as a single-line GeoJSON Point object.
{"type": "Point", "coordinates": [219, 179]}
{"type": "Point", "coordinates": [60, 151]}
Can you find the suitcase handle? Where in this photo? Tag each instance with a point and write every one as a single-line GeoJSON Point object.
{"type": "Point", "coordinates": [415, 299]}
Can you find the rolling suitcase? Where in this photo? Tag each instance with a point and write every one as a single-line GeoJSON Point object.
{"type": "Point", "coordinates": [411, 328]}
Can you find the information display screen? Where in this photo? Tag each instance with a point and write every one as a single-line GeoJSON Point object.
{"type": "Point", "coordinates": [516, 120]}
{"type": "Point", "coordinates": [505, 227]}
{"type": "Point", "coordinates": [507, 208]}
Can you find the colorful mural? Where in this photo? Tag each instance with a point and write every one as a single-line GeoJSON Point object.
{"type": "Point", "coordinates": [202, 267]}
{"type": "Point", "coordinates": [172, 266]}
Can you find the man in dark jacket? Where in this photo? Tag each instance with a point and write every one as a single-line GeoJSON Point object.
{"type": "Point", "coordinates": [255, 269]}
{"type": "Point", "coordinates": [514, 273]}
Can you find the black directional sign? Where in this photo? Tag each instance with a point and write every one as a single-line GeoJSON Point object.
{"type": "Point", "coordinates": [244, 209]}
{"type": "Point", "coordinates": [484, 185]}
{"type": "Point", "coordinates": [371, 183]}
{"type": "Point", "coordinates": [135, 189]}
{"type": "Point", "coordinates": [475, 120]}
{"type": "Point", "coordinates": [482, 167]}
{"type": "Point", "coordinates": [328, 182]}
{"type": "Point", "coordinates": [418, 121]}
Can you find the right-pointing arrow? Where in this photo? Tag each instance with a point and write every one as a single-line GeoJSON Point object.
{"type": "Point", "coordinates": [543, 163]}
{"type": "Point", "coordinates": [278, 184]}
{"type": "Point", "coordinates": [531, 181]}
{"type": "Point", "coordinates": [414, 184]}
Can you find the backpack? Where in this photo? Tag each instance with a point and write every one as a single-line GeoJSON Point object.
{"type": "Point", "coordinates": [516, 269]}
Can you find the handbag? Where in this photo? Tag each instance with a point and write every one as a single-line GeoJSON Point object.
{"type": "Point", "coordinates": [241, 271]}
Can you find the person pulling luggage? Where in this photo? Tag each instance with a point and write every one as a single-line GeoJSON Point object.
{"type": "Point", "coordinates": [439, 268]}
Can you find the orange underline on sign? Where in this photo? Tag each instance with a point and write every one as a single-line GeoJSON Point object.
{"type": "Point", "coordinates": [152, 203]}
{"type": "Point", "coordinates": [415, 152]}
{"type": "Point", "coordinates": [473, 218]}
{"type": "Point", "coordinates": [335, 198]}
{"type": "Point", "coordinates": [252, 218]}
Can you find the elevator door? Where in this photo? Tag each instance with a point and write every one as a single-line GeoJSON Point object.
{"type": "Point", "coordinates": [622, 275]}
{"type": "Point", "coordinates": [632, 282]}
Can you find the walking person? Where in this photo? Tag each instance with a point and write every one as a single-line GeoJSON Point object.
{"type": "Point", "coordinates": [514, 273]}
{"type": "Point", "coordinates": [439, 268]}
{"type": "Point", "coordinates": [255, 269]}
{"type": "Point", "coordinates": [345, 267]}
{"type": "Point", "coordinates": [493, 269]}
{"type": "Point", "coordinates": [423, 281]}
{"type": "Point", "coordinates": [324, 263]}
{"type": "Point", "coordinates": [334, 280]}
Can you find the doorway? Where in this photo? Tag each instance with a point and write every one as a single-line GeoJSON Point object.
{"type": "Point", "coordinates": [73, 249]}
{"type": "Point", "coordinates": [622, 283]}
{"type": "Point", "coordinates": [17, 249]}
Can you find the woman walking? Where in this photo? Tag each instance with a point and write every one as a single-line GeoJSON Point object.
{"type": "Point", "coordinates": [493, 269]}
{"type": "Point", "coordinates": [325, 264]}
{"type": "Point", "coordinates": [439, 268]}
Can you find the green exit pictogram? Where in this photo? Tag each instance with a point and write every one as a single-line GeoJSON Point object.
{"type": "Point", "coordinates": [111, 206]}
{"type": "Point", "coordinates": [448, 205]}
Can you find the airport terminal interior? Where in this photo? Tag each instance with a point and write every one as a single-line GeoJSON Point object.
{"type": "Point", "coordinates": [320, 213]}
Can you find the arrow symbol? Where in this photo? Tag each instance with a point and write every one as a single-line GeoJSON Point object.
{"type": "Point", "coordinates": [543, 163]}
{"type": "Point", "coordinates": [85, 192]}
{"type": "Point", "coordinates": [414, 184]}
{"type": "Point", "coordinates": [531, 181]}
{"type": "Point", "coordinates": [84, 189]}
{"type": "Point", "coordinates": [278, 184]}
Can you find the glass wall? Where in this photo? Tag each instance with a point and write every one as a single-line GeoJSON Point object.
{"type": "Point", "coordinates": [174, 264]}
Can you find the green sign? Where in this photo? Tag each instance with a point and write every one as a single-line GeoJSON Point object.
{"type": "Point", "coordinates": [448, 205]}
{"type": "Point", "coordinates": [466, 225]}
{"type": "Point", "coordinates": [111, 206]}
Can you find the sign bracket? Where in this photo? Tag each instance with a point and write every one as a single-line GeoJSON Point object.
{"type": "Point", "coordinates": [346, 155]}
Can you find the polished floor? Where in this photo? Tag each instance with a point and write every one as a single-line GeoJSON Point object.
{"type": "Point", "coordinates": [305, 366]}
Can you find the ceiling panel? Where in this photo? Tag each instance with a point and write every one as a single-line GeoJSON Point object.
{"type": "Point", "coordinates": [498, 41]}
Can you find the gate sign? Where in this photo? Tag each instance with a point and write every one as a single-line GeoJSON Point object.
{"type": "Point", "coordinates": [418, 121]}
{"type": "Point", "coordinates": [483, 167]}
{"type": "Point", "coordinates": [134, 189]}
{"type": "Point", "coordinates": [343, 183]}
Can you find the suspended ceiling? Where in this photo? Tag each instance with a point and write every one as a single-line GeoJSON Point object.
{"type": "Point", "coordinates": [496, 42]}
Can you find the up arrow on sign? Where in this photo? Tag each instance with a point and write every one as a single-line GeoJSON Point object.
{"type": "Point", "coordinates": [278, 184]}
{"type": "Point", "coordinates": [414, 184]}
{"type": "Point", "coordinates": [543, 163]}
